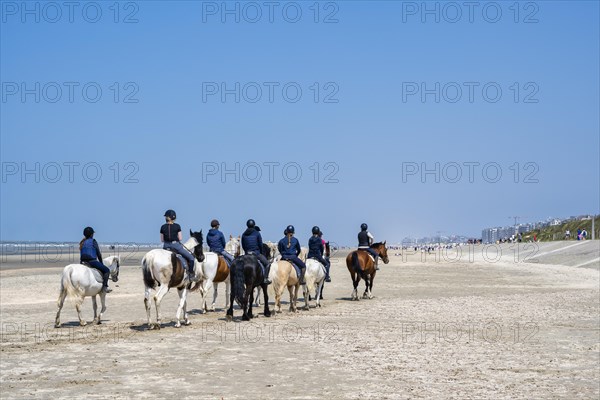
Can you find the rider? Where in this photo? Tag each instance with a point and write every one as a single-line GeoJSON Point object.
{"type": "Point", "coordinates": [316, 248]}
{"type": "Point", "coordinates": [252, 244]}
{"type": "Point", "coordinates": [216, 241]}
{"type": "Point", "coordinates": [90, 254]}
{"type": "Point", "coordinates": [171, 236]}
{"type": "Point", "coordinates": [289, 248]}
{"type": "Point", "coordinates": [365, 240]}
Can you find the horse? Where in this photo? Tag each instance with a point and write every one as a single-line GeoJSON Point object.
{"type": "Point", "coordinates": [214, 270]}
{"type": "Point", "coordinates": [163, 268]}
{"type": "Point", "coordinates": [320, 292]}
{"type": "Point", "coordinates": [246, 274]}
{"type": "Point", "coordinates": [80, 281]}
{"type": "Point", "coordinates": [270, 252]}
{"type": "Point", "coordinates": [361, 265]}
{"type": "Point", "coordinates": [314, 278]}
{"type": "Point", "coordinates": [283, 275]}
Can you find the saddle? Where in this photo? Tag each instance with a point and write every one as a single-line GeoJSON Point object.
{"type": "Point", "coordinates": [97, 275]}
{"type": "Point", "coordinates": [297, 268]}
{"type": "Point", "coordinates": [368, 253]}
{"type": "Point", "coordinates": [226, 262]}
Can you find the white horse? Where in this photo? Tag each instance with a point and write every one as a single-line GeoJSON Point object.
{"type": "Point", "coordinates": [214, 270]}
{"type": "Point", "coordinates": [162, 267]}
{"type": "Point", "coordinates": [314, 278]}
{"type": "Point", "coordinates": [80, 281]}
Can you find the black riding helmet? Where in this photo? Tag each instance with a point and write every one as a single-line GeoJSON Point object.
{"type": "Point", "coordinates": [250, 223]}
{"type": "Point", "coordinates": [364, 227]}
{"type": "Point", "coordinates": [290, 229]}
{"type": "Point", "coordinates": [170, 214]}
{"type": "Point", "coordinates": [214, 223]}
{"type": "Point", "coordinates": [316, 230]}
{"type": "Point", "coordinates": [88, 232]}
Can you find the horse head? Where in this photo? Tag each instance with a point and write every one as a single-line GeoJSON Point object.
{"type": "Point", "coordinates": [382, 250]}
{"type": "Point", "coordinates": [197, 250]}
{"type": "Point", "coordinates": [114, 266]}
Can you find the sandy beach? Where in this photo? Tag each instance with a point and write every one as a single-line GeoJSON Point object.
{"type": "Point", "coordinates": [522, 326]}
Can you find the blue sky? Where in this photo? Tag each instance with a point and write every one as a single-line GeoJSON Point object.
{"type": "Point", "coordinates": [374, 129]}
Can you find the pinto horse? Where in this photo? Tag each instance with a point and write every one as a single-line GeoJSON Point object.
{"type": "Point", "coordinates": [163, 268]}
{"type": "Point", "coordinates": [214, 270]}
{"type": "Point", "coordinates": [361, 265]}
{"type": "Point", "coordinates": [246, 274]}
{"type": "Point", "coordinates": [79, 281]}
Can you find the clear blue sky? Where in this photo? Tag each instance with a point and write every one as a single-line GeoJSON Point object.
{"type": "Point", "coordinates": [372, 55]}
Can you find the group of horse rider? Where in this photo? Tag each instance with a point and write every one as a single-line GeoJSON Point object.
{"type": "Point", "coordinates": [289, 247]}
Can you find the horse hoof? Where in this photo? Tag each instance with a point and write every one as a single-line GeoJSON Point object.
{"type": "Point", "coordinates": [187, 323]}
{"type": "Point", "coordinates": [82, 323]}
{"type": "Point", "coordinates": [57, 325]}
{"type": "Point", "coordinates": [229, 318]}
{"type": "Point", "coordinates": [245, 318]}
{"type": "Point", "coordinates": [267, 314]}
{"type": "Point", "coordinates": [98, 322]}
{"type": "Point", "coordinates": [178, 324]}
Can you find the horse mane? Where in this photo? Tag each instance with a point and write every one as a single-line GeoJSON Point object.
{"type": "Point", "coordinates": [374, 245]}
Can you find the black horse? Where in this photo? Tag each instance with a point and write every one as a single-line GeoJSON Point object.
{"type": "Point", "coordinates": [246, 274]}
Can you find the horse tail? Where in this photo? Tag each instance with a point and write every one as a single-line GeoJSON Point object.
{"type": "Point", "coordinates": [356, 265]}
{"type": "Point", "coordinates": [66, 283]}
{"type": "Point", "coordinates": [238, 281]}
{"type": "Point", "coordinates": [149, 280]}
{"type": "Point", "coordinates": [310, 279]}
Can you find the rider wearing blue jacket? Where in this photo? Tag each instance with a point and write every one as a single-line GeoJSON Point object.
{"type": "Point", "coordinates": [289, 248]}
{"type": "Point", "coordinates": [252, 244]}
{"type": "Point", "coordinates": [90, 253]}
{"type": "Point", "coordinates": [216, 241]}
{"type": "Point", "coordinates": [316, 250]}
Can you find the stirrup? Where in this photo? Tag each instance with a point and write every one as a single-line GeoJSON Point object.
{"type": "Point", "coordinates": [106, 289]}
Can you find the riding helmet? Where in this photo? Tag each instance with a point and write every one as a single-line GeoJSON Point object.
{"type": "Point", "coordinates": [250, 223]}
{"type": "Point", "coordinates": [170, 214]}
{"type": "Point", "coordinates": [290, 229]}
{"type": "Point", "coordinates": [214, 223]}
{"type": "Point", "coordinates": [364, 227]}
{"type": "Point", "coordinates": [315, 230]}
{"type": "Point", "coordinates": [88, 232]}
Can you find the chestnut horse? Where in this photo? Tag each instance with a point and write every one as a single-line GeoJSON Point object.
{"type": "Point", "coordinates": [361, 265]}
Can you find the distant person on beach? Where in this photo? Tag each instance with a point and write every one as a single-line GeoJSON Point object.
{"type": "Point", "coordinates": [567, 234]}
{"type": "Point", "coordinates": [578, 233]}
{"type": "Point", "coordinates": [90, 254]}
{"type": "Point", "coordinates": [583, 234]}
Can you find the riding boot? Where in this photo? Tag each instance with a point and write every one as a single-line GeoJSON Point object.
{"type": "Point", "coordinates": [302, 272]}
{"type": "Point", "coordinates": [376, 263]}
{"type": "Point", "coordinates": [105, 287]}
{"type": "Point", "coordinates": [266, 271]}
{"type": "Point", "coordinates": [327, 278]}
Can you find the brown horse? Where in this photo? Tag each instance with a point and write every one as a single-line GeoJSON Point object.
{"type": "Point", "coordinates": [361, 265]}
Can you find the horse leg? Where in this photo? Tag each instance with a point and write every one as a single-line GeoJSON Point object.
{"type": "Point", "coordinates": [61, 301]}
{"type": "Point", "coordinates": [215, 293]}
{"type": "Point", "coordinates": [292, 299]}
{"type": "Point", "coordinates": [250, 304]}
{"type": "Point", "coordinates": [267, 312]}
{"type": "Point", "coordinates": [227, 291]}
{"type": "Point", "coordinates": [229, 314]}
{"type": "Point", "coordinates": [355, 280]}
{"type": "Point", "coordinates": [305, 291]}
{"type": "Point", "coordinates": [164, 289]}
{"type": "Point", "coordinates": [95, 307]}
{"type": "Point", "coordinates": [319, 291]}
{"type": "Point", "coordinates": [78, 308]}
{"type": "Point", "coordinates": [366, 293]}
{"type": "Point", "coordinates": [245, 305]}
{"type": "Point", "coordinates": [103, 308]}
{"type": "Point", "coordinates": [182, 299]}
{"type": "Point", "coordinates": [371, 287]}
{"type": "Point", "coordinates": [147, 303]}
